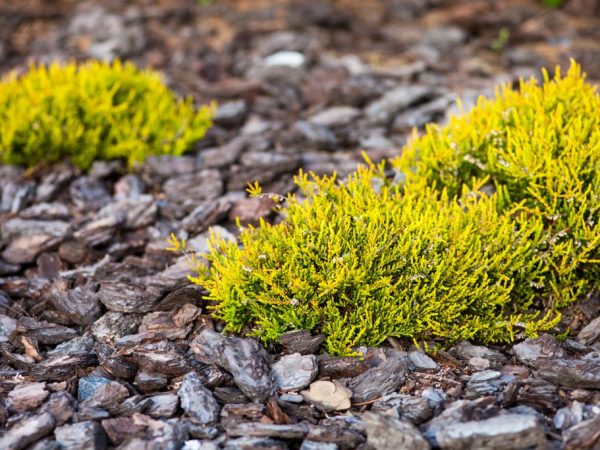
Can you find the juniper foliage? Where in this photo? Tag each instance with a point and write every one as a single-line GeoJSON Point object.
{"type": "Point", "coordinates": [94, 111]}
{"type": "Point", "coordinates": [488, 230]}
{"type": "Point", "coordinates": [540, 147]}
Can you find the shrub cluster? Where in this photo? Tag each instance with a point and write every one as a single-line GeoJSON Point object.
{"type": "Point", "coordinates": [94, 111]}
{"type": "Point", "coordinates": [540, 147]}
{"type": "Point", "coordinates": [488, 229]}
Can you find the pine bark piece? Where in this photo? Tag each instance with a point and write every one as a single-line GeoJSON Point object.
{"type": "Point", "coordinates": [27, 431]}
{"type": "Point", "coordinates": [44, 332]}
{"type": "Point", "coordinates": [416, 410]}
{"type": "Point", "coordinates": [150, 381]}
{"type": "Point", "coordinates": [421, 362]}
{"type": "Point", "coordinates": [118, 366]}
{"type": "Point", "coordinates": [161, 357]}
{"type": "Point", "coordinates": [114, 325]}
{"type": "Point", "coordinates": [60, 368]}
{"type": "Point", "coordinates": [162, 405]}
{"type": "Point", "coordinates": [132, 213]}
{"type": "Point", "coordinates": [175, 324]}
{"type": "Point", "coordinates": [343, 432]}
{"type": "Point", "coordinates": [488, 382]}
{"type": "Point", "coordinates": [7, 326]}
{"type": "Point", "coordinates": [25, 249]}
{"type": "Point", "coordinates": [301, 341]}
{"type": "Point", "coordinates": [379, 381]}
{"type": "Point", "coordinates": [465, 351]}
{"type": "Point", "coordinates": [514, 431]}
{"type": "Point", "coordinates": [252, 443]}
{"type": "Point", "coordinates": [120, 429]}
{"type": "Point", "coordinates": [26, 397]}
{"type": "Point", "coordinates": [583, 436]}
{"type": "Point", "coordinates": [245, 359]}
{"type": "Point", "coordinates": [197, 401]}
{"type": "Point", "coordinates": [590, 333]}
{"type": "Point", "coordinates": [389, 433]}
{"type": "Point", "coordinates": [230, 395]}
{"type": "Point", "coordinates": [79, 304]}
{"type": "Point", "coordinates": [169, 434]}
{"type": "Point", "coordinates": [539, 394]}
{"type": "Point", "coordinates": [128, 296]}
{"type": "Point", "coordinates": [341, 367]}
{"type": "Point", "coordinates": [81, 436]}
{"type": "Point", "coordinates": [201, 185]}
{"type": "Point", "coordinates": [571, 373]}
{"type": "Point", "coordinates": [80, 344]}
{"type": "Point", "coordinates": [61, 405]}
{"type": "Point", "coordinates": [88, 385]}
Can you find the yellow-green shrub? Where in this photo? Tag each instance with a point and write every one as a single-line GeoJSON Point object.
{"type": "Point", "coordinates": [362, 261]}
{"type": "Point", "coordinates": [539, 146]}
{"type": "Point", "coordinates": [489, 228]}
{"type": "Point", "coordinates": [94, 111]}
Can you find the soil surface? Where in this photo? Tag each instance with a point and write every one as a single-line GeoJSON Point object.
{"type": "Point", "coordinates": [103, 342]}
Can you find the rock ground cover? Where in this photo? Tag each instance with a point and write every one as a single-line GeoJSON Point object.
{"type": "Point", "coordinates": [103, 343]}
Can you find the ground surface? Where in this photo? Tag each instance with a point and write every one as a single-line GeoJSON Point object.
{"type": "Point", "coordinates": [103, 342]}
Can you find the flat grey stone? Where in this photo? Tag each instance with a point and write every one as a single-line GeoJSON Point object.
{"type": "Point", "coordinates": [294, 372]}
{"type": "Point", "coordinates": [420, 361]}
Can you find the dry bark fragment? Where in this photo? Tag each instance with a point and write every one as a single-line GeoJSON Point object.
{"type": "Point", "coordinates": [389, 433]}
{"type": "Point", "coordinates": [44, 332]}
{"type": "Point", "coordinates": [79, 304]}
{"type": "Point", "coordinates": [341, 367]}
{"type": "Point", "coordinates": [162, 405]}
{"type": "Point", "coordinates": [26, 397]}
{"type": "Point", "coordinates": [149, 381]}
{"type": "Point", "coordinates": [120, 429]}
{"type": "Point", "coordinates": [515, 431]}
{"type": "Point", "coordinates": [197, 401]}
{"type": "Point", "coordinates": [245, 359]}
{"type": "Point", "coordinates": [301, 341]}
{"type": "Point", "coordinates": [583, 436]}
{"type": "Point", "coordinates": [60, 368]}
{"type": "Point", "coordinates": [380, 380]}
{"type": "Point", "coordinates": [175, 324]}
{"type": "Point", "coordinates": [128, 296]}
{"type": "Point", "coordinates": [161, 357]}
{"type": "Point", "coordinates": [27, 431]}
{"type": "Point", "coordinates": [61, 405]}
{"type": "Point", "coordinates": [571, 373]}
{"type": "Point", "coordinates": [107, 396]}
{"type": "Point", "coordinates": [81, 436]}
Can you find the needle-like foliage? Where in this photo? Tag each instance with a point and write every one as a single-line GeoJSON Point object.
{"type": "Point", "coordinates": [488, 230]}
{"type": "Point", "coordinates": [364, 260]}
{"type": "Point", "coordinates": [539, 146]}
{"type": "Point", "coordinates": [94, 111]}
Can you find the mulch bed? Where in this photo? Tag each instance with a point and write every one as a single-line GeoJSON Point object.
{"type": "Point", "coordinates": [103, 342]}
